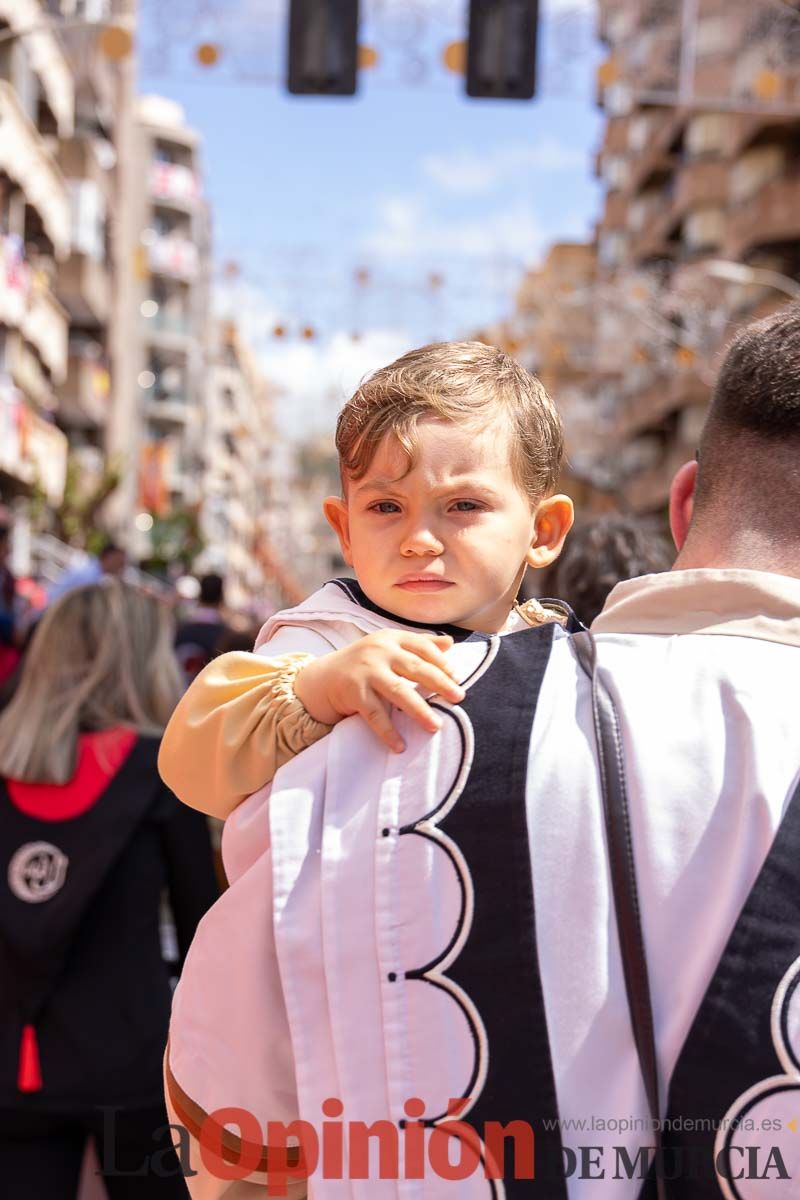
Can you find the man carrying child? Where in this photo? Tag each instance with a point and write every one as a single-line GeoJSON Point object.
{"type": "Point", "coordinates": [426, 940]}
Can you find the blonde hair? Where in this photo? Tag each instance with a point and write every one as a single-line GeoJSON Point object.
{"type": "Point", "coordinates": [101, 657]}
{"type": "Point", "coordinates": [457, 382]}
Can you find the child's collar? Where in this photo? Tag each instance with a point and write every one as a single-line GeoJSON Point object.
{"type": "Point", "coordinates": [532, 612]}
{"type": "Point", "coordinates": [353, 589]}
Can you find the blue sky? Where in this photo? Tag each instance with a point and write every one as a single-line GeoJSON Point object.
{"type": "Point", "coordinates": [402, 181]}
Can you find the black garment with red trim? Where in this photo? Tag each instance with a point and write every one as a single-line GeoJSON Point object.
{"type": "Point", "coordinates": [83, 868]}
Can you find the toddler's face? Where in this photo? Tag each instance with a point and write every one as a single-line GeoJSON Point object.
{"type": "Point", "coordinates": [447, 542]}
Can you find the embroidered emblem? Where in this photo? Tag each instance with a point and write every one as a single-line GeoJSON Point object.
{"type": "Point", "coordinates": [766, 1117]}
{"type": "Point", "coordinates": [37, 871]}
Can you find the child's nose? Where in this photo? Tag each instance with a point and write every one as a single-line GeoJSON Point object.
{"type": "Point", "coordinates": [421, 540]}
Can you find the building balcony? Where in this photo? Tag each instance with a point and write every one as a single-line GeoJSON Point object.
{"type": "Point", "coordinates": [615, 215]}
{"type": "Point", "coordinates": [655, 240]}
{"type": "Point", "coordinates": [32, 450]}
{"type": "Point", "coordinates": [47, 58]}
{"type": "Point", "coordinates": [771, 215]}
{"type": "Point", "coordinates": [648, 490]}
{"type": "Point", "coordinates": [240, 521]}
{"type": "Point", "coordinates": [27, 304]}
{"type": "Point", "coordinates": [46, 327]}
{"type": "Point", "coordinates": [79, 163]}
{"type": "Point", "coordinates": [27, 161]}
{"type": "Point", "coordinates": [716, 77]}
{"type": "Point", "coordinates": [616, 136]}
{"type": "Point", "coordinates": [657, 160]}
{"type": "Point", "coordinates": [16, 280]}
{"type": "Point", "coordinates": [184, 488]}
{"type": "Point", "coordinates": [171, 409]}
{"type": "Point", "coordinates": [85, 396]}
{"type": "Point", "coordinates": [84, 288]}
{"type": "Point", "coordinates": [175, 257]}
{"type": "Point", "coordinates": [702, 183]}
{"type": "Point", "coordinates": [174, 184]}
{"type": "Point", "coordinates": [26, 371]}
{"type": "Point", "coordinates": [649, 405]}
{"type": "Point", "coordinates": [169, 331]}
{"type": "Point", "coordinates": [757, 127]}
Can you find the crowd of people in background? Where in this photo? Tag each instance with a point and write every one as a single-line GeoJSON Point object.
{"type": "Point", "coordinates": [81, 796]}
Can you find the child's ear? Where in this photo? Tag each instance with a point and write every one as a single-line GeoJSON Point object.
{"type": "Point", "coordinates": [337, 516]}
{"type": "Point", "coordinates": [554, 518]}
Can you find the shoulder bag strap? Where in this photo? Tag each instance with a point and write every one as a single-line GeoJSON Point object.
{"type": "Point", "coordinates": [623, 881]}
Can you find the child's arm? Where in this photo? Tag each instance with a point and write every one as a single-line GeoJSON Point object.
{"type": "Point", "coordinates": [245, 715]}
{"type": "Point", "coordinates": [236, 725]}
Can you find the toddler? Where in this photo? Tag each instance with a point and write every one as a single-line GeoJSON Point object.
{"type": "Point", "coordinates": [449, 461]}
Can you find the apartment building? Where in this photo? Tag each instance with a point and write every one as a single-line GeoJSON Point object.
{"type": "Point", "coordinates": [701, 163]}
{"type": "Point", "coordinates": [37, 107]}
{"type": "Point", "coordinates": [160, 407]}
{"type": "Point", "coordinates": [237, 435]}
{"type": "Point", "coordinates": [562, 333]}
{"type": "Point", "coordinates": [88, 279]}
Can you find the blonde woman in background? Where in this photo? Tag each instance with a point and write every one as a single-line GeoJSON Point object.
{"type": "Point", "coordinates": [90, 839]}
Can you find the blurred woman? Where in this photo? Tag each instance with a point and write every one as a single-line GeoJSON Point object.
{"type": "Point", "coordinates": [90, 839]}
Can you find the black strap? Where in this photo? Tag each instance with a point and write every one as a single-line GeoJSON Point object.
{"type": "Point", "coordinates": [623, 882]}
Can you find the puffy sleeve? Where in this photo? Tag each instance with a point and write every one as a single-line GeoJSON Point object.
{"type": "Point", "coordinates": [238, 723]}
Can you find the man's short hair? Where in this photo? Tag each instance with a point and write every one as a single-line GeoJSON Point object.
{"type": "Point", "coordinates": [751, 440]}
{"type": "Point", "coordinates": [212, 590]}
{"type": "Point", "coordinates": [108, 546]}
{"type": "Point", "coordinates": [460, 382]}
{"type": "Point", "coordinates": [603, 551]}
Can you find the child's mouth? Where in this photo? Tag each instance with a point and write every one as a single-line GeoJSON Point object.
{"type": "Point", "coordinates": [424, 585]}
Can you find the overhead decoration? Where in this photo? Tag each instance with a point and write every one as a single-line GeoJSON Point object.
{"type": "Point", "coordinates": [207, 54]}
{"type": "Point", "coordinates": [115, 42]}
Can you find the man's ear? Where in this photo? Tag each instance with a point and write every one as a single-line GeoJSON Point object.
{"type": "Point", "coordinates": [554, 518]}
{"type": "Point", "coordinates": [337, 516]}
{"type": "Point", "coordinates": [681, 502]}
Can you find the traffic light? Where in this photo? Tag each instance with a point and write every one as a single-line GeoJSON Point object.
{"type": "Point", "coordinates": [501, 50]}
{"type": "Point", "coordinates": [323, 47]}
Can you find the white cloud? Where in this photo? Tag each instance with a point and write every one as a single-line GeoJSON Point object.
{"type": "Point", "coordinates": [465, 171]}
{"type": "Point", "coordinates": [405, 229]}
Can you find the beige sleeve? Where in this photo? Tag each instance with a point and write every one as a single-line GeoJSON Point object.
{"type": "Point", "coordinates": [236, 725]}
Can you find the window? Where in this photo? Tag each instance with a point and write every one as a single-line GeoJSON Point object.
{"type": "Point", "coordinates": [616, 171]}
{"type": "Point", "coordinates": [88, 219]}
{"type": "Point", "coordinates": [611, 249]}
{"type": "Point", "coordinates": [704, 230]}
{"type": "Point", "coordinates": [707, 133]}
{"type": "Point", "coordinates": [639, 133]}
{"type": "Point", "coordinates": [756, 168]}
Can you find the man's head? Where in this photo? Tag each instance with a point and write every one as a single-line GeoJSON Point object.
{"type": "Point", "coordinates": [449, 460]}
{"type": "Point", "coordinates": [744, 496]}
{"type": "Point", "coordinates": [112, 558]}
{"type": "Point", "coordinates": [603, 551]}
{"type": "Point", "coordinates": [212, 590]}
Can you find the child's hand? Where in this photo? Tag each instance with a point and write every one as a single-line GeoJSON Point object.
{"type": "Point", "coordinates": [375, 672]}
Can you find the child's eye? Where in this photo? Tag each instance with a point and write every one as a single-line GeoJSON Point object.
{"type": "Point", "coordinates": [384, 506]}
{"type": "Point", "coordinates": [466, 506]}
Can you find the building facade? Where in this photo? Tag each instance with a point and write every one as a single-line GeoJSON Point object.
{"type": "Point", "coordinates": [160, 405]}
{"type": "Point", "coordinates": [65, 112]}
{"type": "Point", "coordinates": [236, 454]}
{"type": "Point", "coordinates": [91, 161]}
{"type": "Point", "coordinates": [37, 111]}
{"type": "Point", "coordinates": [700, 159]}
